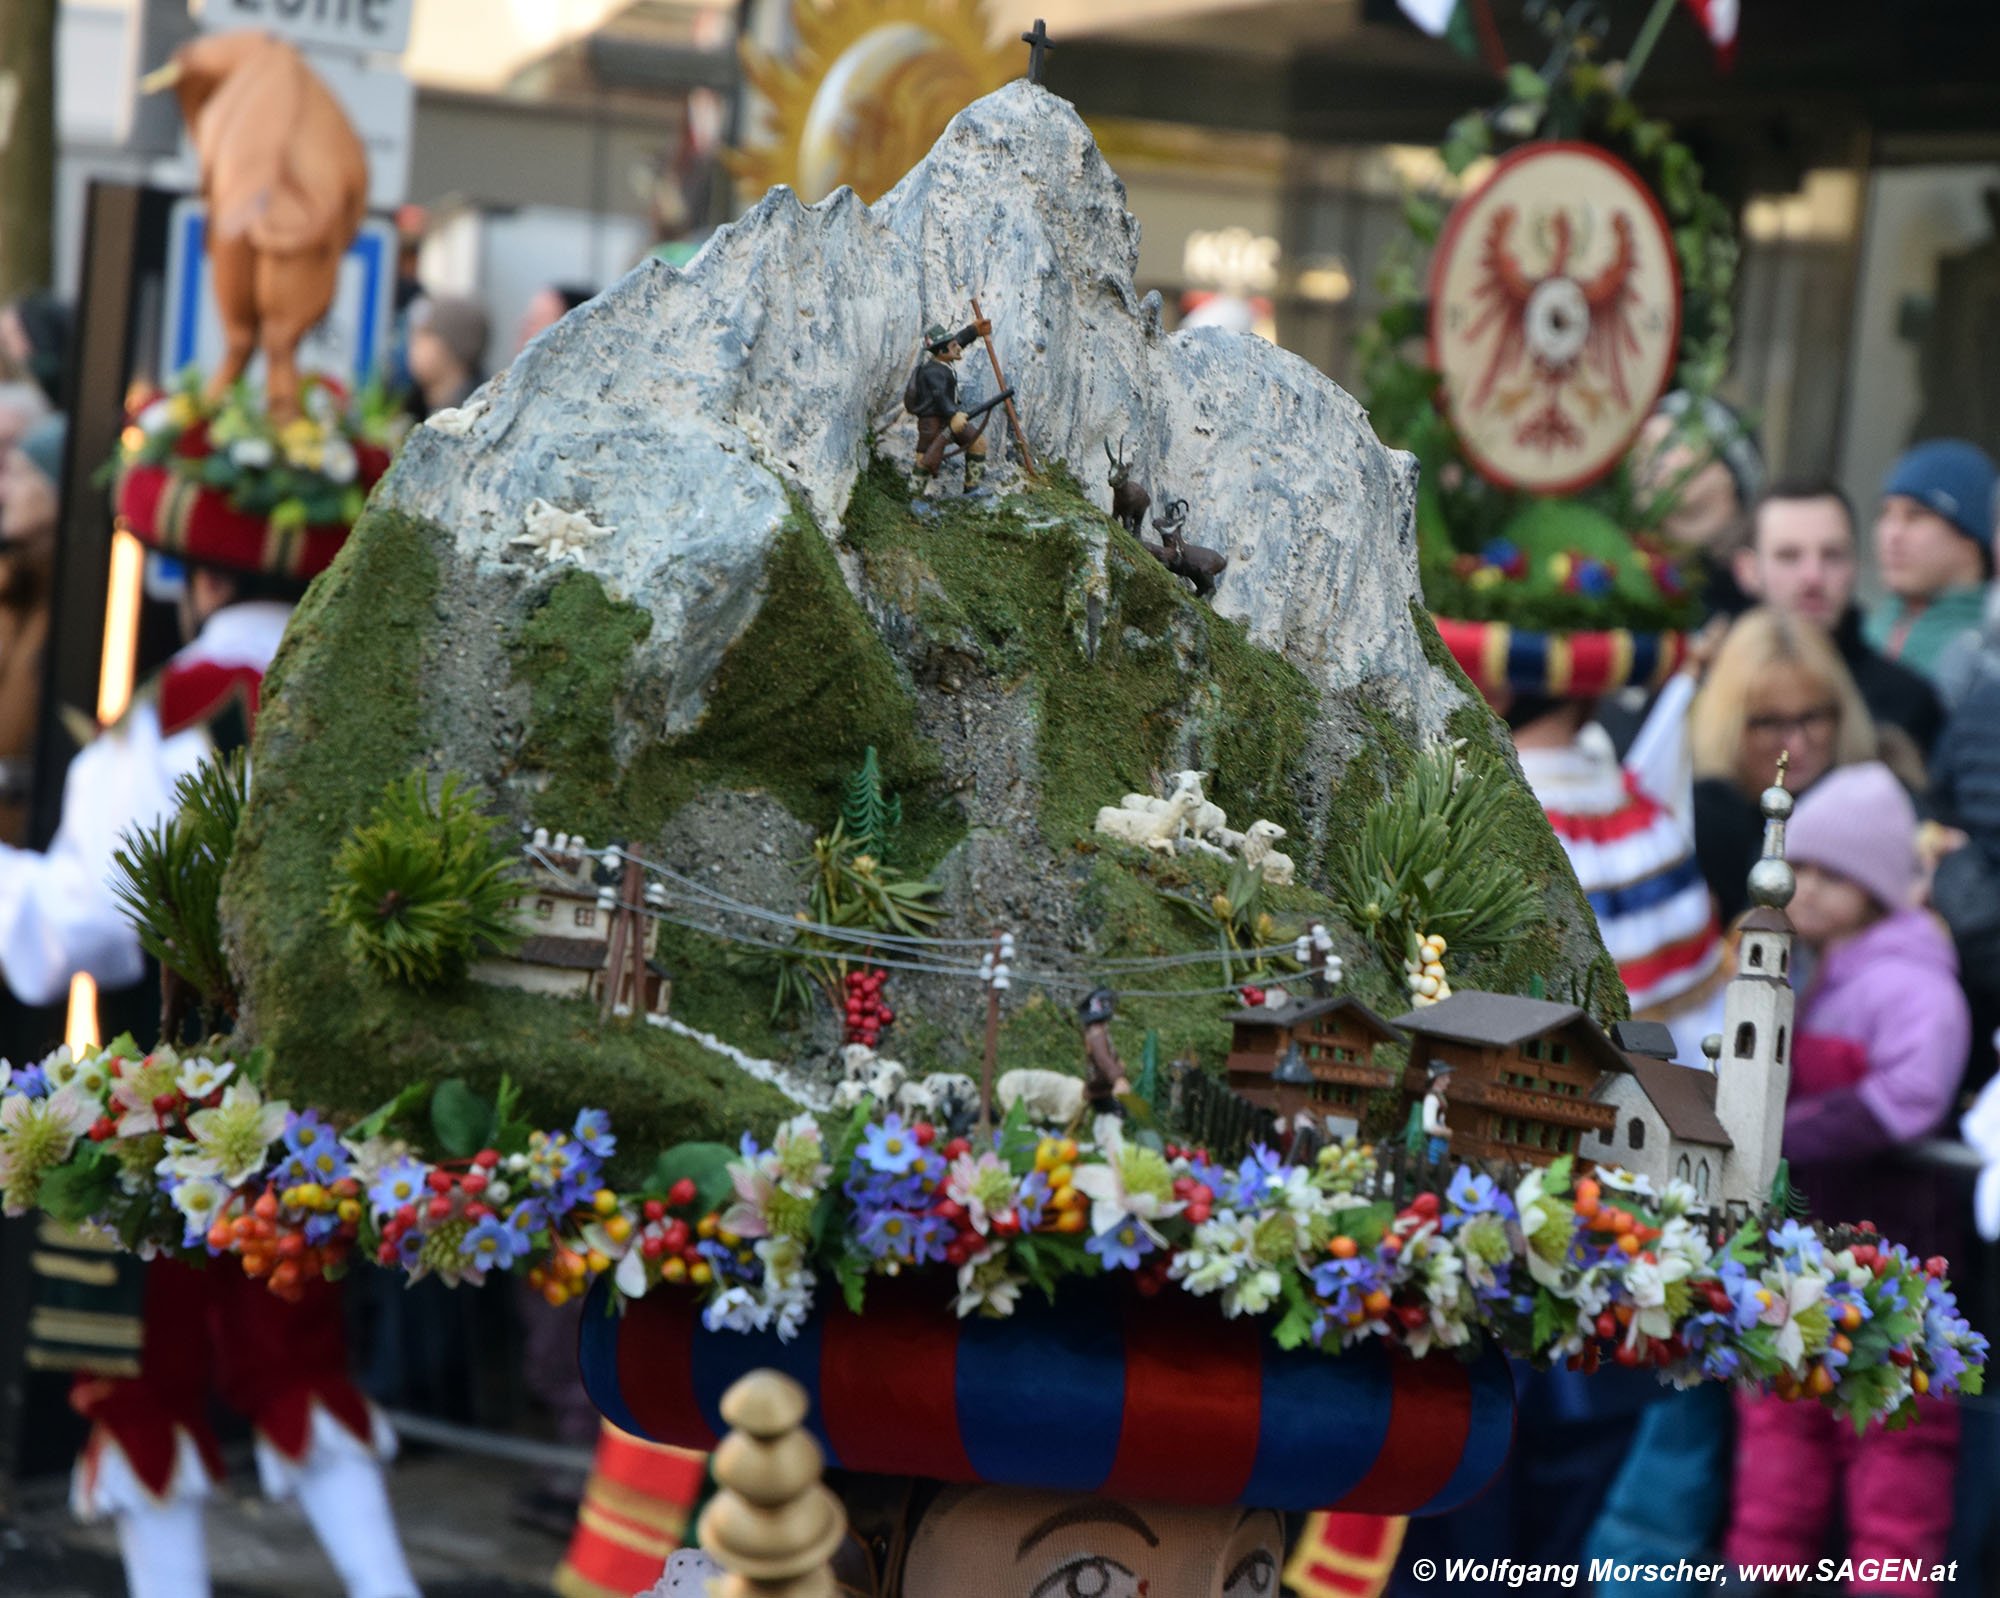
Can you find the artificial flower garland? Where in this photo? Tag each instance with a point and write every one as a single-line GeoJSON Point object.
{"type": "Point", "coordinates": [186, 1155]}
{"type": "Point", "coordinates": [312, 471]}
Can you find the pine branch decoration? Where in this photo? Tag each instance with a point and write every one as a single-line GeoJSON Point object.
{"type": "Point", "coordinates": [168, 877]}
{"type": "Point", "coordinates": [1427, 860]}
{"type": "Point", "coordinates": [425, 885]}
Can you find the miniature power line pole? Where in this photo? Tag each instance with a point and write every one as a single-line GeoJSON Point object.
{"type": "Point", "coordinates": [999, 377]}
{"type": "Point", "coordinates": [992, 972]}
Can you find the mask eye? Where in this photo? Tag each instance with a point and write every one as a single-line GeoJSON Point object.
{"type": "Point", "coordinates": [1091, 1576]}
{"type": "Point", "coordinates": [1254, 1576]}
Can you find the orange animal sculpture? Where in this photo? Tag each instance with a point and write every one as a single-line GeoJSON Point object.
{"type": "Point", "coordinates": [286, 181]}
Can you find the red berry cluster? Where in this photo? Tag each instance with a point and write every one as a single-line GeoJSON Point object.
{"type": "Point", "coordinates": [867, 1015]}
{"type": "Point", "coordinates": [1198, 1197]}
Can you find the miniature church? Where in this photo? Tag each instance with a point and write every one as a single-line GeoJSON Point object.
{"type": "Point", "coordinates": [1721, 1133]}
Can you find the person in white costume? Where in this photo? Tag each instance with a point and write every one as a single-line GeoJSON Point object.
{"type": "Point", "coordinates": [151, 1459]}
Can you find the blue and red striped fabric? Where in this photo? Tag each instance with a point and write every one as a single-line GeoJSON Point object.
{"type": "Point", "coordinates": [1147, 1400]}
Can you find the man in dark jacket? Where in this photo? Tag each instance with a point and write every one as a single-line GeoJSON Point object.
{"type": "Point", "coordinates": [932, 398]}
{"type": "Point", "coordinates": [1802, 559]}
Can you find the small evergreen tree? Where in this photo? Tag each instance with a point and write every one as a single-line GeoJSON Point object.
{"type": "Point", "coordinates": [869, 812]}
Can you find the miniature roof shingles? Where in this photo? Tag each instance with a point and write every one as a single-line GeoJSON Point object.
{"type": "Point", "coordinates": [1504, 1020]}
{"type": "Point", "coordinates": [1291, 1015]}
{"type": "Point", "coordinates": [575, 954]}
{"type": "Point", "coordinates": [1685, 1098]}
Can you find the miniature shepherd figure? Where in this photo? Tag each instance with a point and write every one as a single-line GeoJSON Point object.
{"type": "Point", "coordinates": [1437, 1135]}
{"type": "Point", "coordinates": [931, 396]}
{"type": "Point", "coordinates": [1106, 1080]}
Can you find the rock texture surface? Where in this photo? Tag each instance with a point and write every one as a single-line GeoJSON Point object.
{"type": "Point", "coordinates": [659, 582]}
{"type": "Point", "coordinates": [683, 405]}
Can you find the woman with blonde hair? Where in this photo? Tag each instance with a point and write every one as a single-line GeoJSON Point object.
{"type": "Point", "coordinates": [1777, 686]}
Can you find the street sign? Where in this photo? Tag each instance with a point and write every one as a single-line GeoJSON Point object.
{"type": "Point", "coordinates": [350, 343]}
{"type": "Point", "coordinates": [376, 27]}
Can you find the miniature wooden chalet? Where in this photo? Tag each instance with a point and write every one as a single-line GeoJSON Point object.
{"type": "Point", "coordinates": [580, 938]}
{"type": "Point", "coordinates": [1335, 1039]}
{"type": "Point", "coordinates": [1524, 1073]}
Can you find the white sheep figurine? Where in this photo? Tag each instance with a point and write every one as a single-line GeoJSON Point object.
{"type": "Point", "coordinates": [1049, 1098]}
{"type": "Point", "coordinates": [1158, 829]}
{"type": "Point", "coordinates": [1258, 851]}
{"type": "Point", "coordinates": [1208, 818]}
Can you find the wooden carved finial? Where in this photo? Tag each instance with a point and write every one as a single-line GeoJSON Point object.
{"type": "Point", "coordinates": [773, 1525]}
{"type": "Point", "coordinates": [1784, 764]}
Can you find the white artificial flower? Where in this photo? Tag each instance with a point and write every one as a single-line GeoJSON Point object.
{"type": "Point", "coordinates": [630, 1277]}
{"type": "Point", "coordinates": [156, 417]}
{"type": "Point", "coordinates": [1788, 1295]}
{"type": "Point", "coordinates": [1131, 1180]}
{"type": "Point", "coordinates": [986, 1287]}
{"type": "Point", "coordinates": [252, 454]}
{"type": "Point", "coordinates": [235, 1136]}
{"type": "Point", "coordinates": [59, 1068]}
{"type": "Point", "coordinates": [201, 1076]}
{"type": "Point", "coordinates": [200, 1199]}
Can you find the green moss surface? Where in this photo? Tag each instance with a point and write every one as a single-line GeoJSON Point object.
{"type": "Point", "coordinates": [1009, 583]}
{"type": "Point", "coordinates": [343, 715]}
{"type": "Point", "coordinates": [797, 701]}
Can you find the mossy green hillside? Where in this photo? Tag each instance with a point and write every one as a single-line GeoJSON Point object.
{"type": "Point", "coordinates": [342, 717]}
{"type": "Point", "coordinates": [1168, 682]}
{"type": "Point", "coordinates": [798, 700]}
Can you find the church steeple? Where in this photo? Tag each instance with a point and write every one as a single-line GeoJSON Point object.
{"type": "Point", "coordinates": [1753, 1061]}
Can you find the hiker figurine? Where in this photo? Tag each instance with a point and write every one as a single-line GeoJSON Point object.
{"type": "Point", "coordinates": [931, 396]}
{"type": "Point", "coordinates": [1105, 1080]}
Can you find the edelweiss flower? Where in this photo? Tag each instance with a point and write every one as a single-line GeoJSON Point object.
{"type": "Point", "coordinates": [36, 1135]}
{"type": "Point", "coordinates": [234, 1137]}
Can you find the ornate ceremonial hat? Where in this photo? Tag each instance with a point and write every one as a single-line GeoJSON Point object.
{"type": "Point", "coordinates": [1156, 1400]}
{"type": "Point", "coordinates": [218, 485]}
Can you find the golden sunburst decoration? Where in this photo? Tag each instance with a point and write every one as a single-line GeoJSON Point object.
{"type": "Point", "coordinates": [867, 91]}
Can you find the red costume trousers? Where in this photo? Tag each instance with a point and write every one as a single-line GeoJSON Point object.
{"type": "Point", "coordinates": [213, 1333]}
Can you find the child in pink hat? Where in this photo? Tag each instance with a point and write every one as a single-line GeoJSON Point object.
{"type": "Point", "coordinates": [1883, 1032]}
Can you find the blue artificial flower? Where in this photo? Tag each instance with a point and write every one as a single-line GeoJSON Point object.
{"type": "Point", "coordinates": [410, 1251]}
{"type": "Point", "coordinates": [492, 1244]}
{"type": "Point", "coordinates": [305, 1132]}
{"type": "Point", "coordinates": [1343, 1284]}
{"type": "Point", "coordinates": [1121, 1248]}
{"type": "Point", "coordinates": [890, 1234]}
{"type": "Point", "coordinates": [1470, 1195]}
{"type": "Point", "coordinates": [929, 1239]}
{"type": "Point", "coordinates": [319, 1228]}
{"type": "Point", "coordinates": [526, 1219]}
{"type": "Point", "coordinates": [1593, 578]}
{"type": "Point", "coordinates": [1261, 1170]}
{"type": "Point", "coordinates": [1798, 1245]}
{"type": "Point", "coordinates": [593, 1133]}
{"type": "Point", "coordinates": [889, 1147]}
{"type": "Point", "coordinates": [398, 1183]}
{"type": "Point", "coordinates": [1031, 1198]}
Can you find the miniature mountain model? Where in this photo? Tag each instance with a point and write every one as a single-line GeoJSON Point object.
{"type": "Point", "coordinates": [663, 583]}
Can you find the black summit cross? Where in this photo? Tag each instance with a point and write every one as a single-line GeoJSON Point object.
{"type": "Point", "coordinates": [1037, 41]}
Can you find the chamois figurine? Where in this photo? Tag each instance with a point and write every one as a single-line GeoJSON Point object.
{"type": "Point", "coordinates": [1197, 563]}
{"type": "Point", "coordinates": [1165, 524]}
{"type": "Point", "coordinates": [1129, 501]}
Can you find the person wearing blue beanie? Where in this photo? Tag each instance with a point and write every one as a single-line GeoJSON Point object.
{"type": "Point", "coordinates": [1933, 550]}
